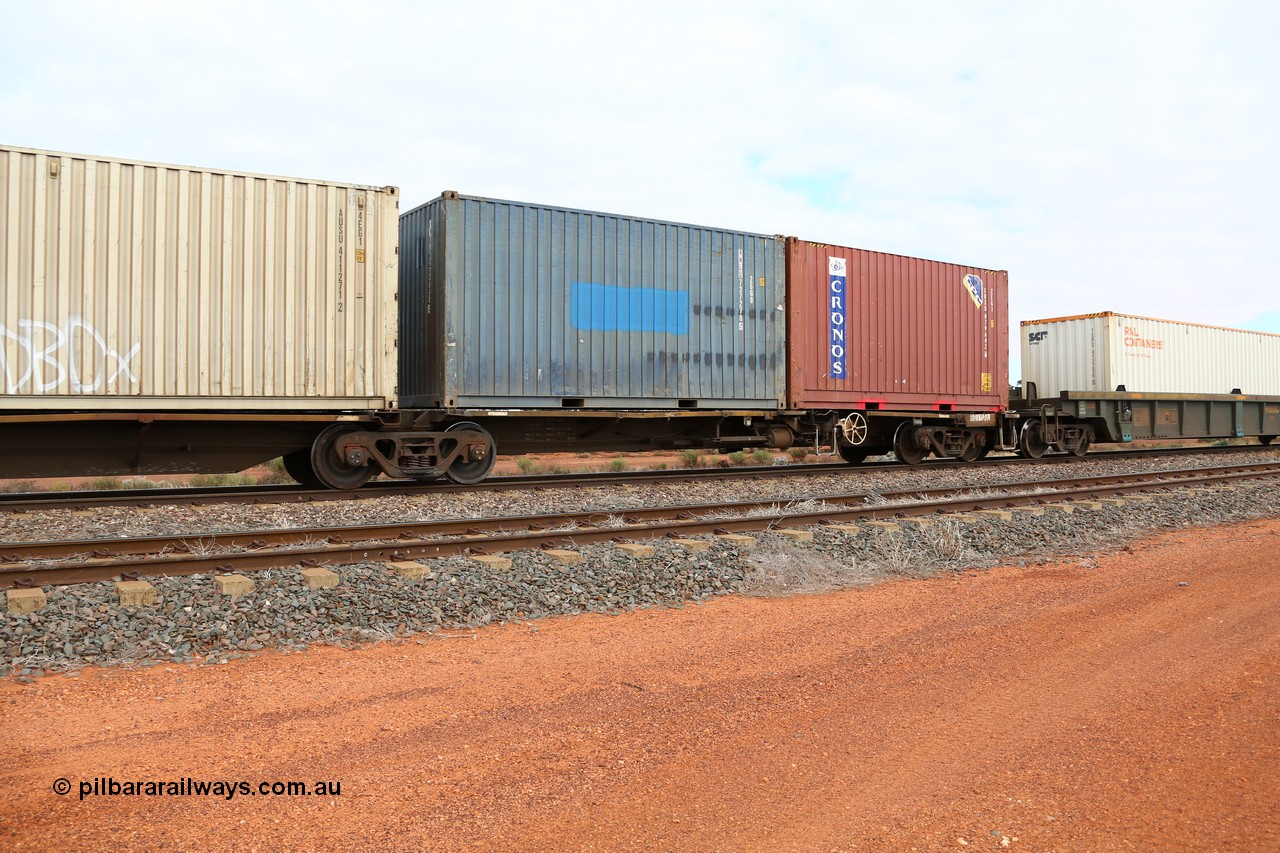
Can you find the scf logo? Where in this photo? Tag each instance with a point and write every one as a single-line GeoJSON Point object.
{"type": "Point", "coordinates": [1036, 337]}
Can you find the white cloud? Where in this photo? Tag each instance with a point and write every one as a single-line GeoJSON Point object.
{"type": "Point", "coordinates": [1110, 156]}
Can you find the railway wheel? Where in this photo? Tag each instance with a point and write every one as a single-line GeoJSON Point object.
{"type": "Point", "coordinates": [332, 464]}
{"type": "Point", "coordinates": [1266, 439]}
{"type": "Point", "coordinates": [475, 464]}
{"type": "Point", "coordinates": [972, 453]}
{"type": "Point", "coordinates": [298, 466]}
{"type": "Point", "coordinates": [905, 447]}
{"type": "Point", "coordinates": [1031, 442]}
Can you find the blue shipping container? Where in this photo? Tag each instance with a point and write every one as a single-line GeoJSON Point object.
{"type": "Point", "coordinates": [515, 306]}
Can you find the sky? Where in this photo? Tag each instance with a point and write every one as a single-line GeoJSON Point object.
{"type": "Point", "coordinates": [1112, 156]}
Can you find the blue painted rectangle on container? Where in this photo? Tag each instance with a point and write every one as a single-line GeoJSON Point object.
{"type": "Point", "coordinates": [608, 308]}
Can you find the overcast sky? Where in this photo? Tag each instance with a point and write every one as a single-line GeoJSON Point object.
{"type": "Point", "coordinates": [1111, 156]}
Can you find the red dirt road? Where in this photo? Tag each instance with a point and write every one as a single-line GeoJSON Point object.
{"type": "Point", "coordinates": [1062, 707]}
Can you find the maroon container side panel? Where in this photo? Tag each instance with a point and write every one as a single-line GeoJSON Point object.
{"type": "Point", "coordinates": [916, 335]}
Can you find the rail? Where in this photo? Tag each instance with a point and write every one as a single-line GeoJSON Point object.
{"type": "Point", "coordinates": [153, 556]}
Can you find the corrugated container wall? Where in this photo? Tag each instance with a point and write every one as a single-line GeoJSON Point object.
{"type": "Point", "coordinates": [871, 330]}
{"type": "Point", "coordinates": [1097, 352]}
{"type": "Point", "coordinates": [512, 305]}
{"type": "Point", "coordinates": [127, 285]}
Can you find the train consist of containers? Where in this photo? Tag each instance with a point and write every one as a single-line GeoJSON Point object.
{"type": "Point", "coordinates": [1117, 377]}
{"type": "Point", "coordinates": [159, 318]}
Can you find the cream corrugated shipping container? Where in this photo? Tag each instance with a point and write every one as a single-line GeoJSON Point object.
{"type": "Point", "coordinates": [132, 286]}
{"type": "Point", "coordinates": [1098, 352]}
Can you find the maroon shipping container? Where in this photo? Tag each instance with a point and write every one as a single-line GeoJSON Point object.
{"type": "Point", "coordinates": [875, 331]}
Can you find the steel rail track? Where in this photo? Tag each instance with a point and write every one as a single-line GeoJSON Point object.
{"type": "Point", "coordinates": [290, 493]}
{"type": "Point", "coordinates": [385, 532]}
{"type": "Point", "coordinates": [517, 533]}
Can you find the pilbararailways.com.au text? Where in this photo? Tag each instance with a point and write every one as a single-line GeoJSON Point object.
{"type": "Point", "coordinates": [188, 787]}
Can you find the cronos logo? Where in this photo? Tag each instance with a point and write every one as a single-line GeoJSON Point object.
{"type": "Point", "coordinates": [838, 291]}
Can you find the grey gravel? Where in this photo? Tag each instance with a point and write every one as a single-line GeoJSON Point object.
{"type": "Point", "coordinates": [82, 624]}
{"type": "Point", "coordinates": [234, 518]}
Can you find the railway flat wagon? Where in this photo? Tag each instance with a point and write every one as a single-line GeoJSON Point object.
{"type": "Point", "coordinates": [901, 353]}
{"type": "Point", "coordinates": [1117, 378]}
{"type": "Point", "coordinates": [554, 328]}
{"type": "Point", "coordinates": [159, 318]}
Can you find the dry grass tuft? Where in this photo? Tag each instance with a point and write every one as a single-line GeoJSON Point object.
{"type": "Point", "coordinates": [938, 548]}
{"type": "Point", "coordinates": [779, 568]}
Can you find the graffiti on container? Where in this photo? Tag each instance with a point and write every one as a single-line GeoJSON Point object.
{"type": "Point", "coordinates": [39, 357]}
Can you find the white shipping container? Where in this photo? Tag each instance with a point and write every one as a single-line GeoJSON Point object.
{"type": "Point", "coordinates": [133, 286]}
{"type": "Point", "coordinates": [1098, 352]}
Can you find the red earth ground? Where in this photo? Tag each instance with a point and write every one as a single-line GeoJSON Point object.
{"type": "Point", "coordinates": [1091, 704]}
